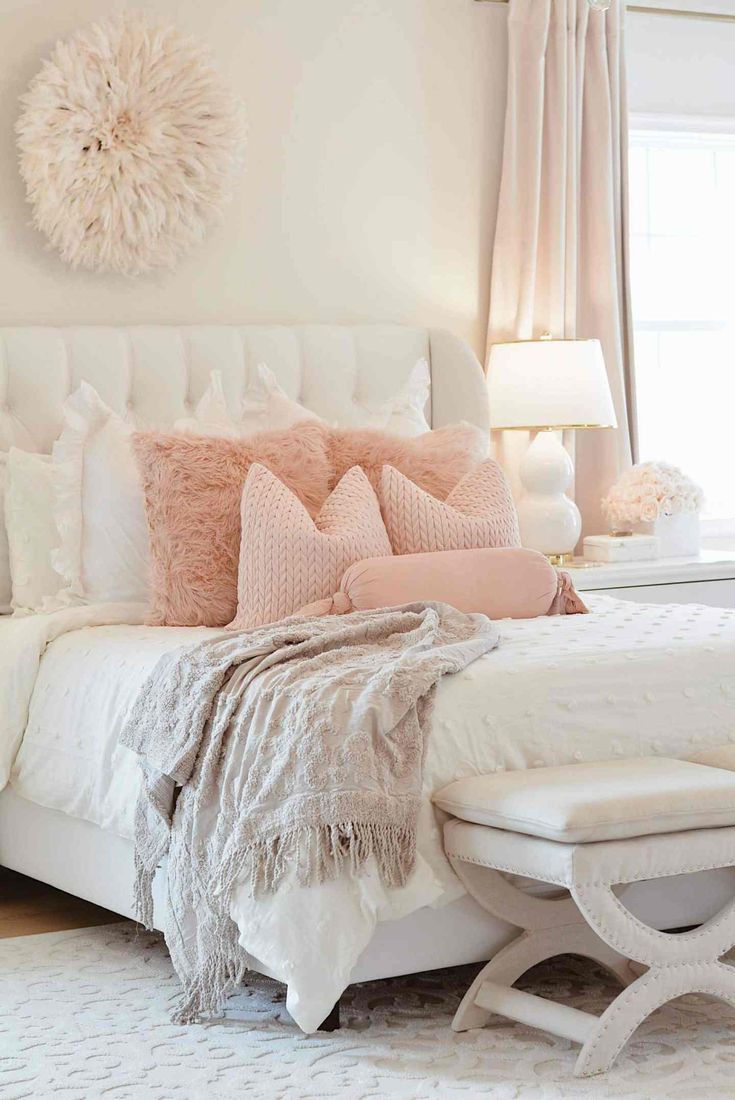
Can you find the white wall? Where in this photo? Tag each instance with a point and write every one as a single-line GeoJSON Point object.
{"type": "Point", "coordinates": [681, 66]}
{"type": "Point", "coordinates": [372, 167]}
{"type": "Point", "coordinates": [373, 162]}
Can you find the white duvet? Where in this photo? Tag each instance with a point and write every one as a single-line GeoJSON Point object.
{"type": "Point", "coordinates": [626, 680]}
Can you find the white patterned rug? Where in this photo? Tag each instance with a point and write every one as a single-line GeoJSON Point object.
{"type": "Point", "coordinates": [84, 1015]}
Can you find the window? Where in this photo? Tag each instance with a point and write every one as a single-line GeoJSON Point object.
{"type": "Point", "coordinates": [682, 204]}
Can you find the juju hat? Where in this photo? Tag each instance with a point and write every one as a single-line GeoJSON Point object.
{"type": "Point", "coordinates": [129, 145]}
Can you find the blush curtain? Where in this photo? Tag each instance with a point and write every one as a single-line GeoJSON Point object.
{"type": "Point", "coordinates": [560, 262]}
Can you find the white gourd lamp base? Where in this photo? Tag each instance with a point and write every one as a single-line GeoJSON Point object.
{"type": "Point", "coordinates": [549, 521]}
{"type": "Point", "coordinates": [549, 385]}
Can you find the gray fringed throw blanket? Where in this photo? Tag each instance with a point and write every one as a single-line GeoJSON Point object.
{"type": "Point", "coordinates": [297, 747]}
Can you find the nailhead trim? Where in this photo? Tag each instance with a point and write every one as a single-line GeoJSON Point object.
{"type": "Point", "coordinates": [640, 877]}
{"type": "Point", "coordinates": [498, 867]}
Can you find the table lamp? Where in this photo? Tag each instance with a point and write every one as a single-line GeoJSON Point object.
{"type": "Point", "coordinates": [548, 386]}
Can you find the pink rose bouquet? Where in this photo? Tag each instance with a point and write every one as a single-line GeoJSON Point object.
{"type": "Point", "coordinates": [648, 491]}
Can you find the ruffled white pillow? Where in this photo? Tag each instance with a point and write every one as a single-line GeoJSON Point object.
{"type": "Point", "coordinates": [31, 531]}
{"type": "Point", "coordinates": [13, 433]}
{"type": "Point", "coordinates": [211, 415]}
{"type": "Point", "coordinates": [406, 412]}
{"type": "Point", "coordinates": [266, 406]}
{"type": "Point", "coordinates": [99, 508]}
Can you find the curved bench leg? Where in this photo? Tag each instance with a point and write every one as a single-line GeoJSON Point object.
{"type": "Point", "coordinates": [526, 951]}
{"type": "Point", "coordinates": [639, 1000]}
{"type": "Point", "coordinates": [594, 923]}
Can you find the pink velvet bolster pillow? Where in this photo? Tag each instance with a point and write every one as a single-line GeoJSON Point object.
{"type": "Point", "coordinates": [193, 488]}
{"type": "Point", "coordinates": [435, 461]}
{"type": "Point", "coordinates": [502, 583]}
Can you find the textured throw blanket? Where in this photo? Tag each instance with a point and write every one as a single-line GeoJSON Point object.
{"type": "Point", "coordinates": [298, 748]}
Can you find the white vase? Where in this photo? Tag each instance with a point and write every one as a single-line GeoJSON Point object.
{"type": "Point", "coordinates": [678, 536]}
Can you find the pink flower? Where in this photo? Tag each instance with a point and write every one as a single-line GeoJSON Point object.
{"type": "Point", "coordinates": [651, 489]}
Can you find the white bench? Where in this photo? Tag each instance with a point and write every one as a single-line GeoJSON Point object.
{"type": "Point", "coordinates": [592, 829]}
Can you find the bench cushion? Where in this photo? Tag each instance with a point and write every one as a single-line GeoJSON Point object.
{"type": "Point", "coordinates": [577, 803]}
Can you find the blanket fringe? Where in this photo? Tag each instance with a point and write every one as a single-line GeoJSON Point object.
{"type": "Point", "coordinates": [319, 853]}
{"type": "Point", "coordinates": [151, 844]}
{"type": "Point", "coordinates": [206, 992]}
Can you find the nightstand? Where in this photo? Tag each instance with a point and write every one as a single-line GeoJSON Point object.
{"type": "Point", "coordinates": [708, 578]}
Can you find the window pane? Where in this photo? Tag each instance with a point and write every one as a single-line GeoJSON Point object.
{"type": "Point", "coordinates": [638, 181]}
{"type": "Point", "coordinates": [676, 178]}
{"type": "Point", "coordinates": [683, 281]}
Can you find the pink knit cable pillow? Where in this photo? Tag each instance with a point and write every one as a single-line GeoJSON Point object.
{"type": "Point", "coordinates": [288, 559]}
{"type": "Point", "coordinates": [478, 512]}
{"type": "Point", "coordinates": [193, 489]}
{"type": "Point", "coordinates": [435, 461]}
{"type": "Point", "coordinates": [502, 583]}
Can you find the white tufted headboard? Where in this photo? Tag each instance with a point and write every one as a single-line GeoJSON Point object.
{"type": "Point", "coordinates": [157, 373]}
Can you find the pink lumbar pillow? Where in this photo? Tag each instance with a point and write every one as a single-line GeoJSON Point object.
{"type": "Point", "coordinates": [435, 461]}
{"type": "Point", "coordinates": [193, 489]}
{"type": "Point", "coordinates": [499, 583]}
{"type": "Point", "coordinates": [288, 559]}
{"type": "Point", "coordinates": [478, 512]}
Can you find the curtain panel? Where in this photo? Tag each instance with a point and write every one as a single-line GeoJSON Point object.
{"type": "Point", "coordinates": [560, 258]}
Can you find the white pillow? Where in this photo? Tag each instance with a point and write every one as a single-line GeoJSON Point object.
{"type": "Point", "coordinates": [211, 415]}
{"type": "Point", "coordinates": [267, 406]}
{"type": "Point", "coordinates": [13, 433]}
{"type": "Point", "coordinates": [406, 411]}
{"type": "Point", "coordinates": [31, 531]}
{"type": "Point", "coordinates": [99, 508]}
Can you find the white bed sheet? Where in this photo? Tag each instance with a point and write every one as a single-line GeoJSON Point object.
{"type": "Point", "coordinates": [626, 680]}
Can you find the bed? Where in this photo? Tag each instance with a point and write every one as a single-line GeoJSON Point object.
{"type": "Point", "coordinates": [626, 680]}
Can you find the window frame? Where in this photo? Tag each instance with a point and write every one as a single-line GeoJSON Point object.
{"type": "Point", "coordinates": [688, 126]}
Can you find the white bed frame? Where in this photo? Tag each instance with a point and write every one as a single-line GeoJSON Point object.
{"type": "Point", "coordinates": [157, 374]}
{"type": "Point", "coordinates": [97, 865]}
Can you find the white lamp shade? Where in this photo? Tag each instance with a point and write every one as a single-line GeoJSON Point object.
{"type": "Point", "coordinates": [549, 384]}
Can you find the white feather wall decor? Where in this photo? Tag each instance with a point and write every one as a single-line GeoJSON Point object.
{"type": "Point", "coordinates": [129, 145]}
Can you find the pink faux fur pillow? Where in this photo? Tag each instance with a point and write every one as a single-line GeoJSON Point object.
{"type": "Point", "coordinates": [478, 512]}
{"type": "Point", "coordinates": [288, 559]}
{"type": "Point", "coordinates": [435, 461]}
{"type": "Point", "coordinates": [193, 488]}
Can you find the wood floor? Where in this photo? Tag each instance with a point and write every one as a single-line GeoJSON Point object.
{"type": "Point", "coordinates": [28, 907]}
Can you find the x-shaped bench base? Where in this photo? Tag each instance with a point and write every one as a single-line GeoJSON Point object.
{"type": "Point", "coordinates": [591, 921]}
